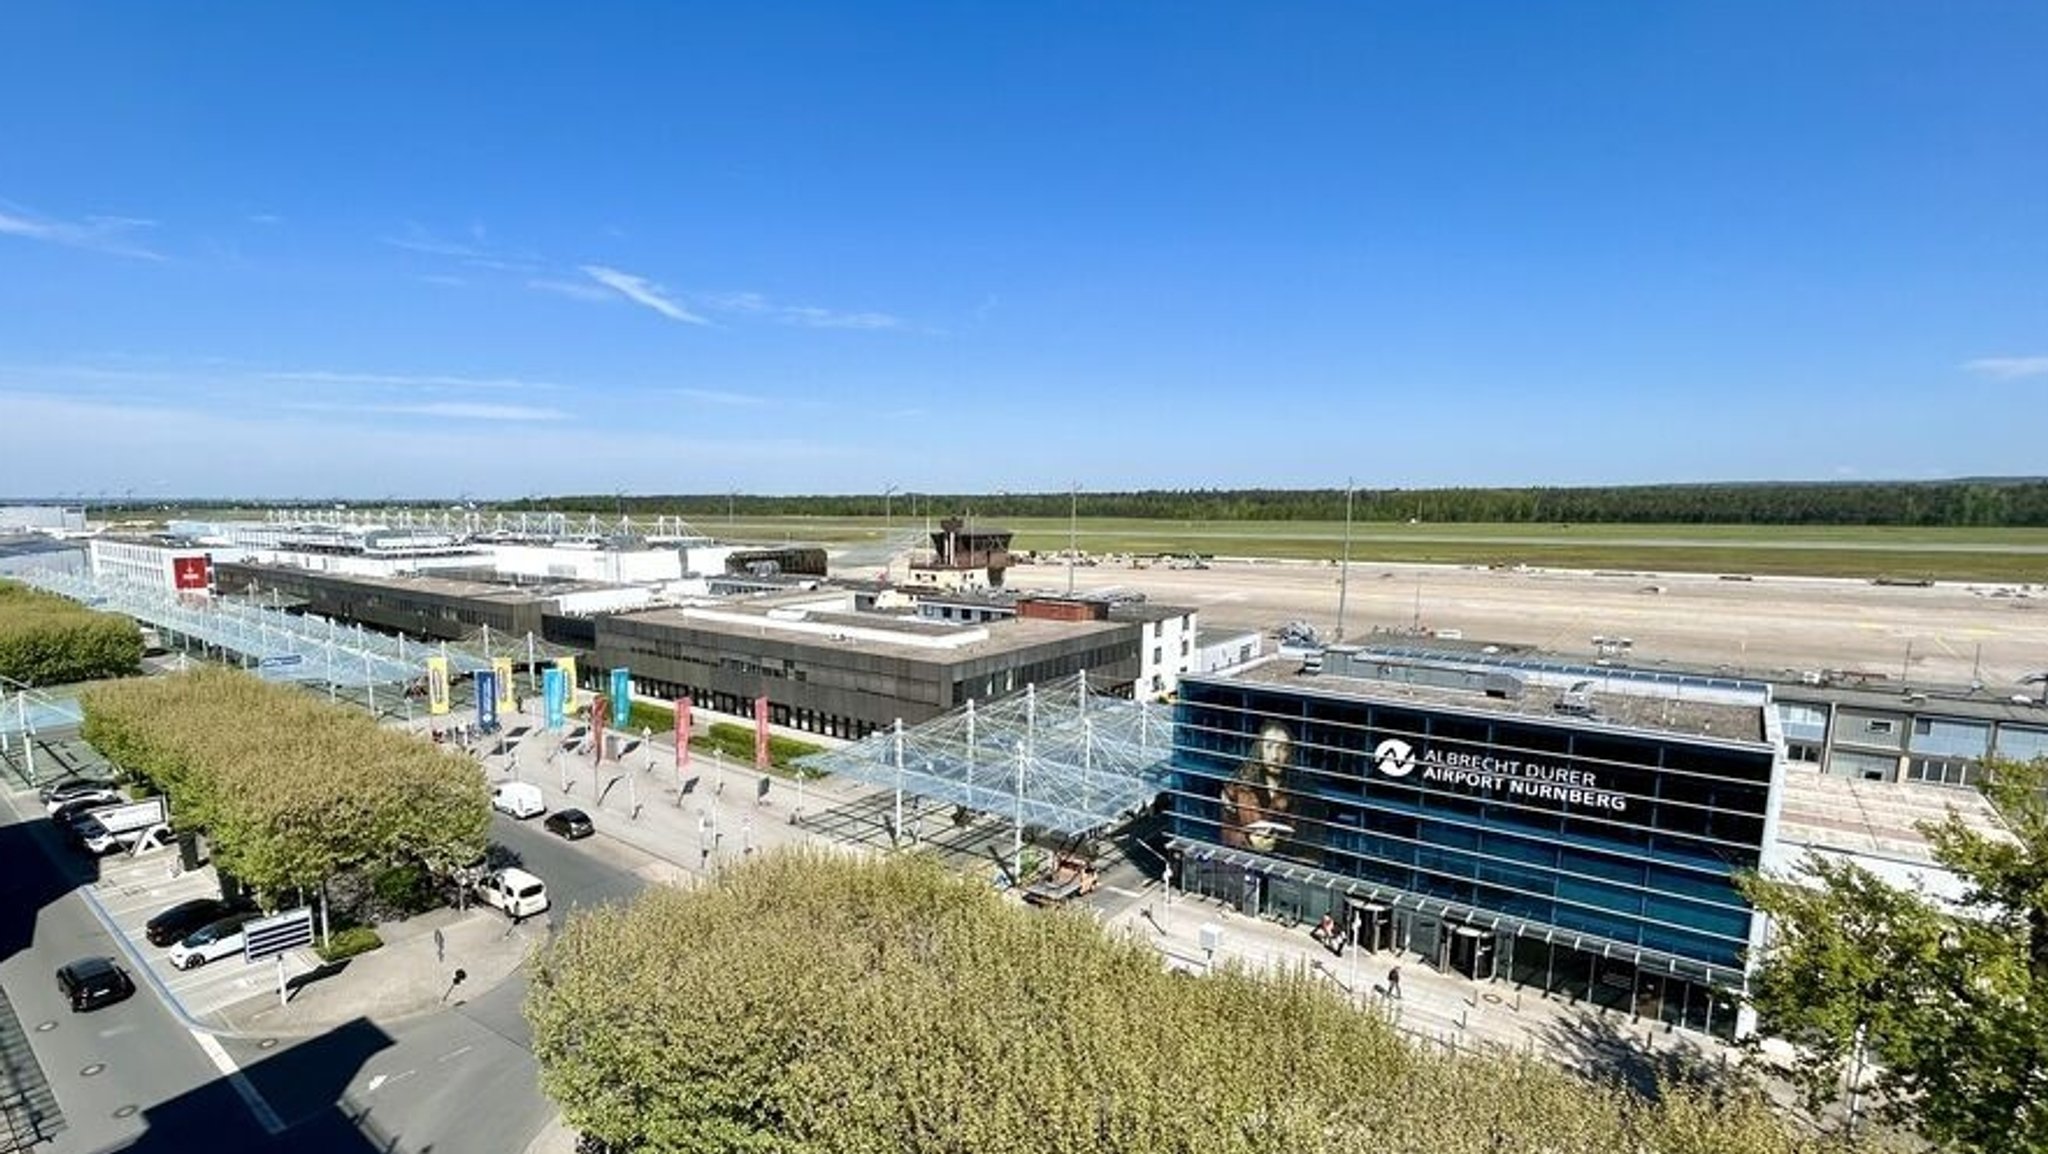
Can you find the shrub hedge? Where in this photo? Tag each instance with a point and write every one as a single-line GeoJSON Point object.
{"type": "Point", "coordinates": [49, 640]}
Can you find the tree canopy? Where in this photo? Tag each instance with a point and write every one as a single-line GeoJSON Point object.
{"type": "Point", "coordinates": [1950, 1006]}
{"type": "Point", "coordinates": [819, 1003]}
{"type": "Point", "coordinates": [48, 640]}
{"type": "Point", "coordinates": [1978, 502]}
{"type": "Point", "coordinates": [290, 789]}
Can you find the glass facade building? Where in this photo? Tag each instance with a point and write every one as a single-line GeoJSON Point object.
{"type": "Point", "coordinates": [1571, 853]}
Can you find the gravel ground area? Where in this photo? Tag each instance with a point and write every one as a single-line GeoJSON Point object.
{"type": "Point", "coordinates": [1947, 634]}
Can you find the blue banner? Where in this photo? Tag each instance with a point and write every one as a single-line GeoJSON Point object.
{"type": "Point", "coordinates": [622, 699]}
{"type": "Point", "coordinates": [554, 692]}
{"type": "Point", "coordinates": [486, 700]}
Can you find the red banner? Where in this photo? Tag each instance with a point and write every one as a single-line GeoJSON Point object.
{"type": "Point", "coordinates": [761, 732]}
{"type": "Point", "coordinates": [599, 708]}
{"type": "Point", "coordinates": [682, 734]}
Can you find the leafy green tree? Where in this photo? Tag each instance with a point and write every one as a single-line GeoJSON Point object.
{"type": "Point", "coordinates": [291, 789]}
{"type": "Point", "coordinates": [1950, 1008]}
{"type": "Point", "coordinates": [820, 1003]}
{"type": "Point", "coordinates": [48, 640]}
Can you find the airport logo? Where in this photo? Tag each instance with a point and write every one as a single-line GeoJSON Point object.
{"type": "Point", "coordinates": [1395, 757]}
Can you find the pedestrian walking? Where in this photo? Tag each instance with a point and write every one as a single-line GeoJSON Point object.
{"type": "Point", "coordinates": [1394, 983]}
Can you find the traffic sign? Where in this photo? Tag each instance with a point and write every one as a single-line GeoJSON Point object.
{"type": "Point", "coordinates": [274, 935]}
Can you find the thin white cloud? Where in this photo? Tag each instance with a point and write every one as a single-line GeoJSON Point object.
{"type": "Point", "coordinates": [828, 319]}
{"type": "Point", "coordinates": [113, 235]}
{"type": "Point", "coordinates": [405, 380]}
{"type": "Point", "coordinates": [475, 252]}
{"type": "Point", "coordinates": [575, 289]}
{"type": "Point", "coordinates": [2008, 368]}
{"type": "Point", "coordinates": [715, 397]}
{"type": "Point", "coordinates": [755, 304]}
{"type": "Point", "coordinates": [440, 278]}
{"type": "Point", "coordinates": [146, 445]}
{"type": "Point", "coordinates": [455, 410]}
{"type": "Point", "coordinates": [641, 291]}
{"type": "Point", "coordinates": [265, 218]}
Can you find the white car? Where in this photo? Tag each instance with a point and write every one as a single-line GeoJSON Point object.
{"type": "Point", "coordinates": [84, 793]}
{"type": "Point", "coordinates": [518, 893]}
{"type": "Point", "coordinates": [219, 940]}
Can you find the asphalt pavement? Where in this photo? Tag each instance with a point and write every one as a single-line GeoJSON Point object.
{"type": "Point", "coordinates": [130, 1076]}
{"type": "Point", "coordinates": [464, 1080]}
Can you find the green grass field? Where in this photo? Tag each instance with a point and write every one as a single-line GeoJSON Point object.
{"type": "Point", "coordinates": [1996, 555]}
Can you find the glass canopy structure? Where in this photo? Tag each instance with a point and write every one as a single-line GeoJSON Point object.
{"type": "Point", "coordinates": [1059, 756]}
{"type": "Point", "coordinates": [285, 646]}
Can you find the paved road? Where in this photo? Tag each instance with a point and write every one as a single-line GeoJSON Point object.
{"type": "Point", "coordinates": [464, 1080]}
{"type": "Point", "coordinates": [128, 1076]}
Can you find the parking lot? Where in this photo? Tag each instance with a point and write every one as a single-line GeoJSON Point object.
{"type": "Point", "coordinates": [133, 890]}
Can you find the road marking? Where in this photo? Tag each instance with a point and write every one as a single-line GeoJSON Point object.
{"type": "Point", "coordinates": [251, 1097]}
{"type": "Point", "coordinates": [455, 1053]}
{"type": "Point", "coordinates": [387, 1079]}
{"type": "Point", "coordinates": [1122, 892]}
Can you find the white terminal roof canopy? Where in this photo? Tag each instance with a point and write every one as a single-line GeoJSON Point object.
{"type": "Point", "coordinates": [1060, 755]}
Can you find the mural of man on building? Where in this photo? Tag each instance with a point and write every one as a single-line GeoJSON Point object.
{"type": "Point", "coordinates": [1257, 808]}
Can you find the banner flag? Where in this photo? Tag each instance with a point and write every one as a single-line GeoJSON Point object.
{"type": "Point", "coordinates": [554, 695]}
{"type": "Point", "coordinates": [508, 690]}
{"type": "Point", "coordinates": [437, 685]}
{"type": "Point", "coordinates": [568, 667]}
{"type": "Point", "coordinates": [597, 719]}
{"type": "Point", "coordinates": [622, 698]}
{"type": "Point", "coordinates": [682, 734]}
{"type": "Point", "coordinates": [761, 732]}
{"type": "Point", "coordinates": [486, 700]}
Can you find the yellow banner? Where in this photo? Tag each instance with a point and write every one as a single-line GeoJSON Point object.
{"type": "Point", "coordinates": [508, 694]}
{"type": "Point", "coordinates": [568, 667]}
{"type": "Point", "coordinates": [437, 685]}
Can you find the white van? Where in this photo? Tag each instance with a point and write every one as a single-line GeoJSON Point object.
{"type": "Point", "coordinates": [518, 893]}
{"type": "Point", "coordinates": [518, 798]}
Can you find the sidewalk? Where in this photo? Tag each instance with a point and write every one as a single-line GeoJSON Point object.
{"type": "Point", "coordinates": [698, 819]}
{"type": "Point", "coordinates": [411, 974]}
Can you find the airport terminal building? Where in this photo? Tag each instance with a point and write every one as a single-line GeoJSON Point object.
{"type": "Point", "coordinates": [1577, 829]}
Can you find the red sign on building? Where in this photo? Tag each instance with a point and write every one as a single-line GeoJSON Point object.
{"type": "Point", "coordinates": [191, 573]}
{"type": "Point", "coordinates": [761, 732]}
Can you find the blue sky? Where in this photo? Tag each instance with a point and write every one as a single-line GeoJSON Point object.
{"type": "Point", "coordinates": [382, 249]}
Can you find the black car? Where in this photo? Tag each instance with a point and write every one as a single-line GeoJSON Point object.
{"type": "Point", "coordinates": [177, 923]}
{"type": "Point", "coordinates": [570, 823]}
{"type": "Point", "coordinates": [90, 983]}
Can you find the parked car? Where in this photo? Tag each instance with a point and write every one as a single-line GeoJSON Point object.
{"type": "Point", "coordinates": [95, 792]}
{"type": "Point", "coordinates": [570, 824]}
{"type": "Point", "coordinates": [90, 983]}
{"type": "Point", "coordinates": [178, 922]}
{"type": "Point", "coordinates": [96, 838]}
{"type": "Point", "coordinates": [518, 798]}
{"type": "Point", "coordinates": [218, 939]}
{"type": "Point", "coordinates": [518, 893]}
{"type": "Point", "coordinates": [67, 813]}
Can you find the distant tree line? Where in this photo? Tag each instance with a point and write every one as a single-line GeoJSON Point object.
{"type": "Point", "coordinates": [1991, 502]}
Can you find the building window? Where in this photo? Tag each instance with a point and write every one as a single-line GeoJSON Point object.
{"type": "Point", "coordinates": [1158, 655]}
{"type": "Point", "coordinates": [1880, 727]}
{"type": "Point", "coordinates": [1802, 752]}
